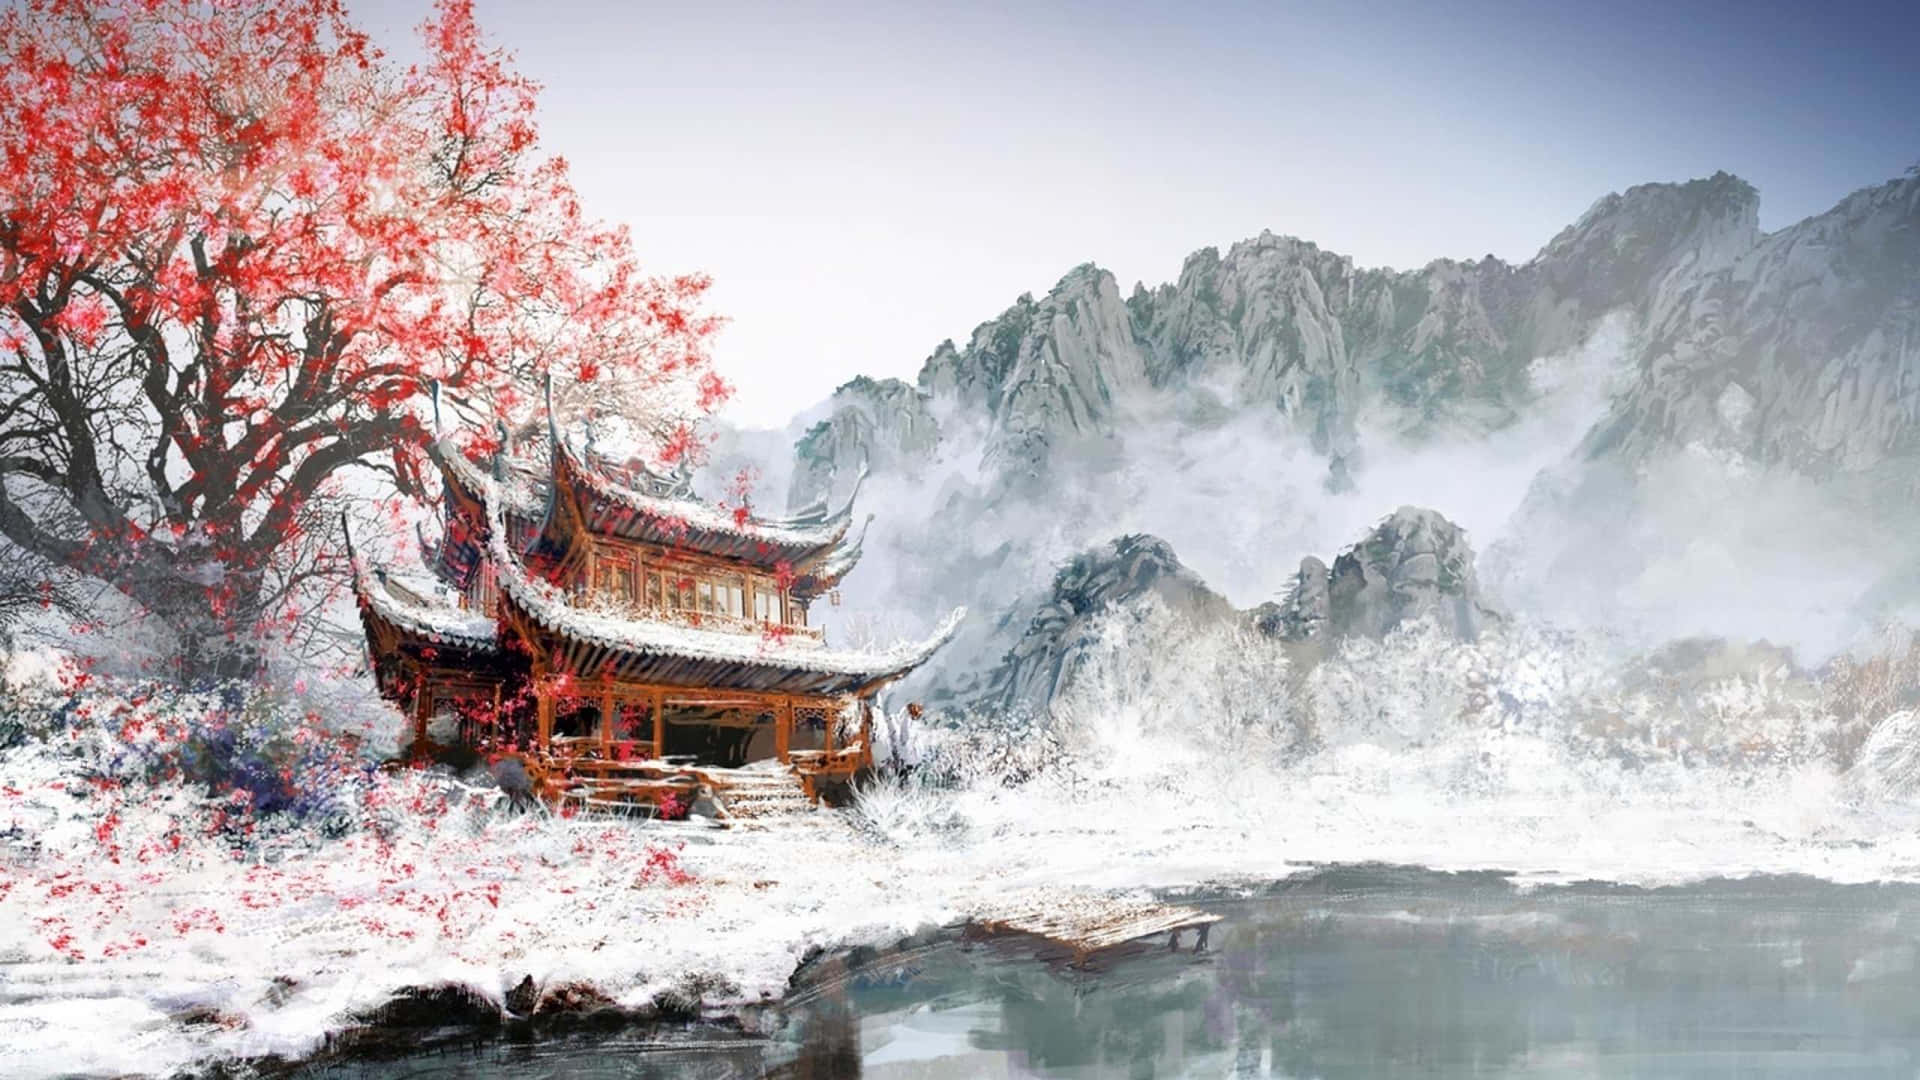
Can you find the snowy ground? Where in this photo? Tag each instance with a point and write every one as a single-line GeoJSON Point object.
{"type": "Point", "coordinates": [145, 927]}
{"type": "Point", "coordinates": [271, 950]}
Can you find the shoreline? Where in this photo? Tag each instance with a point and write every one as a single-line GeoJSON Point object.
{"type": "Point", "coordinates": [448, 1020]}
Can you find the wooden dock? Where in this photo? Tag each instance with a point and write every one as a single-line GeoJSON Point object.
{"type": "Point", "coordinates": [1086, 923]}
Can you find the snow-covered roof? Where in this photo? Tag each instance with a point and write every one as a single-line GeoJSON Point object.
{"type": "Point", "coordinates": [827, 573]}
{"type": "Point", "coordinates": [619, 506]}
{"type": "Point", "coordinates": [406, 609]}
{"type": "Point", "coordinates": [550, 608]}
{"type": "Point", "coordinates": [700, 516]}
{"type": "Point", "coordinates": [521, 491]}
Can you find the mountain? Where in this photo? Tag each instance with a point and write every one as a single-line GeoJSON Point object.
{"type": "Point", "coordinates": [1757, 475]}
{"type": "Point", "coordinates": [1277, 323]}
{"type": "Point", "coordinates": [1800, 348]}
{"type": "Point", "coordinates": [1660, 363]}
{"type": "Point", "coordinates": [1413, 564]}
{"type": "Point", "coordinates": [1049, 635]}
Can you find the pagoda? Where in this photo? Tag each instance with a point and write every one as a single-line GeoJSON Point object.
{"type": "Point", "coordinates": [625, 638]}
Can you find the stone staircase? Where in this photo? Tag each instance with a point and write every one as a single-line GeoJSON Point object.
{"type": "Point", "coordinates": [757, 793]}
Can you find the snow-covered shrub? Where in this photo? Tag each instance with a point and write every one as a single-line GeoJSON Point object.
{"type": "Point", "coordinates": [1151, 689]}
{"type": "Point", "coordinates": [991, 747]}
{"type": "Point", "coordinates": [279, 758]}
{"type": "Point", "coordinates": [1861, 690]}
{"type": "Point", "coordinates": [1404, 690]}
{"type": "Point", "coordinates": [896, 808]}
{"type": "Point", "coordinates": [1713, 702]}
{"type": "Point", "coordinates": [257, 749]}
{"type": "Point", "coordinates": [1887, 765]}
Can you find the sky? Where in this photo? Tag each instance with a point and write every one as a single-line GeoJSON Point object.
{"type": "Point", "coordinates": [864, 180]}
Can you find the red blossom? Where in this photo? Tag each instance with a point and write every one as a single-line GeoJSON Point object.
{"type": "Point", "coordinates": [266, 241]}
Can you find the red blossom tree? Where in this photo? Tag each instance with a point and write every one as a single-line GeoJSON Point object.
{"type": "Point", "coordinates": [238, 249]}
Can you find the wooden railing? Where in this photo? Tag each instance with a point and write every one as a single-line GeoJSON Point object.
{"type": "Point", "coordinates": [705, 620]}
{"type": "Point", "coordinates": [817, 765]}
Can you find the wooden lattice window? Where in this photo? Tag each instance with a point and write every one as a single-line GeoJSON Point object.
{"type": "Point", "coordinates": [730, 597]}
{"type": "Point", "coordinates": [482, 588]}
{"type": "Point", "coordinates": [613, 579]}
{"type": "Point", "coordinates": [810, 727]}
{"type": "Point", "coordinates": [766, 603]}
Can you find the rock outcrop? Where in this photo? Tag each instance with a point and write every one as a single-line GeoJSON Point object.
{"type": "Point", "coordinates": [879, 424]}
{"type": "Point", "coordinates": [1054, 631]}
{"type": "Point", "coordinates": [1801, 349]}
{"type": "Point", "coordinates": [1414, 564]}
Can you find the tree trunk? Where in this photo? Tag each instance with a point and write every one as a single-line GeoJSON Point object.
{"type": "Point", "coordinates": [215, 626]}
{"type": "Point", "coordinates": [210, 660]}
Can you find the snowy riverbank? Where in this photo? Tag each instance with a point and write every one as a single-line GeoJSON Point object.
{"type": "Point", "coordinates": [189, 953]}
{"type": "Point", "coordinates": [195, 926]}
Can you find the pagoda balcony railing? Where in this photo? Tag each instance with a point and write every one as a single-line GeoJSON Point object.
{"type": "Point", "coordinates": [704, 620]}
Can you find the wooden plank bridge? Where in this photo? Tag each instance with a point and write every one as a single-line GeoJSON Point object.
{"type": "Point", "coordinates": [1087, 923]}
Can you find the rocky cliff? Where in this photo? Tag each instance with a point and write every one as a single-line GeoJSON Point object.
{"type": "Point", "coordinates": [1048, 634]}
{"type": "Point", "coordinates": [1414, 564]}
{"type": "Point", "coordinates": [1278, 324]}
{"type": "Point", "coordinates": [1800, 348]}
{"type": "Point", "coordinates": [1194, 410]}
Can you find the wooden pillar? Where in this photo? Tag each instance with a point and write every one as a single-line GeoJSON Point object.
{"type": "Point", "coordinates": [866, 734]}
{"type": "Point", "coordinates": [659, 724]}
{"type": "Point", "coordinates": [783, 728]}
{"type": "Point", "coordinates": [422, 711]}
{"type": "Point", "coordinates": [832, 726]}
{"type": "Point", "coordinates": [606, 724]}
{"type": "Point", "coordinates": [543, 694]}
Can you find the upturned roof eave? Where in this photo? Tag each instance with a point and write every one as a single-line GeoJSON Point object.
{"type": "Point", "coordinates": [543, 606]}
{"type": "Point", "coordinates": [448, 627]}
{"type": "Point", "coordinates": [697, 524]}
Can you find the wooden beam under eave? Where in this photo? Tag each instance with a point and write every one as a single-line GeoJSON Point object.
{"type": "Point", "coordinates": [518, 623]}
{"type": "Point", "coordinates": [422, 709]}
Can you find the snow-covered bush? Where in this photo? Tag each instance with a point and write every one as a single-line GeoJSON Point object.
{"type": "Point", "coordinates": [1151, 688]}
{"type": "Point", "coordinates": [1887, 765]}
{"type": "Point", "coordinates": [1405, 690]}
{"type": "Point", "coordinates": [1862, 690]}
{"type": "Point", "coordinates": [898, 807]}
{"type": "Point", "coordinates": [990, 747]}
{"type": "Point", "coordinates": [258, 749]}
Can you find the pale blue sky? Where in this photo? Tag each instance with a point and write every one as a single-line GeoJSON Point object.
{"type": "Point", "coordinates": [864, 180]}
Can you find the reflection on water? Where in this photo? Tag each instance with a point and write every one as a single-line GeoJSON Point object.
{"type": "Point", "coordinates": [1362, 973]}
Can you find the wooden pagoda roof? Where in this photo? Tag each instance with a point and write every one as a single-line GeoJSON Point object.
{"type": "Point", "coordinates": [602, 644]}
{"type": "Point", "coordinates": [384, 601]}
{"type": "Point", "coordinates": [635, 504]}
{"type": "Point", "coordinates": [614, 505]}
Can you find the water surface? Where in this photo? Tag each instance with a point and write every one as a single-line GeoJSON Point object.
{"type": "Point", "coordinates": [1360, 972]}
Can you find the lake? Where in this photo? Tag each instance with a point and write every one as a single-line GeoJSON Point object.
{"type": "Point", "coordinates": [1351, 972]}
